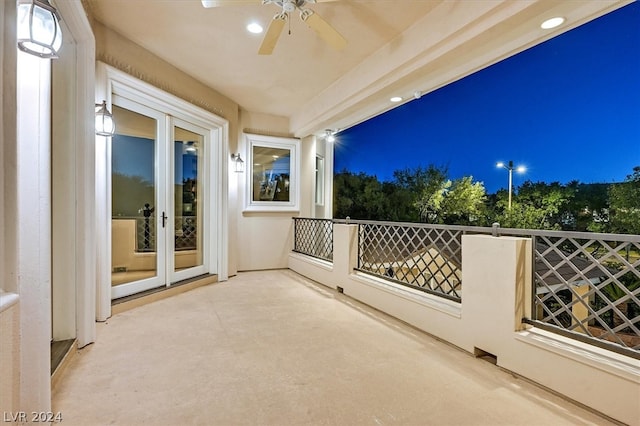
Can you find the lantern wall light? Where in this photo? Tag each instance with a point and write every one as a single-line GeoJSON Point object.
{"type": "Point", "coordinates": [38, 31]}
{"type": "Point", "coordinates": [105, 126]}
{"type": "Point", "coordinates": [239, 163]}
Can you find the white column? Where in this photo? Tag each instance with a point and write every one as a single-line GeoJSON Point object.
{"type": "Point", "coordinates": [34, 230]}
{"type": "Point", "coordinates": [496, 276]}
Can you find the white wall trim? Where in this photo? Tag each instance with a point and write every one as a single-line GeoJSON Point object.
{"type": "Point", "coordinates": [318, 263]}
{"type": "Point", "coordinates": [294, 145]}
{"type": "Point", "coordinates": [113, 81]}
{"type": "Point", "coordinates": [76, 21]}
{"type": "Point", "coordinates": [440, 304]}
{"type": "Point", "coordinates": [610, 362]}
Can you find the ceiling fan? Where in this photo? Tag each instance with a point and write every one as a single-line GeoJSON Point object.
{"type": "Point", "coordinates": [311, 18]}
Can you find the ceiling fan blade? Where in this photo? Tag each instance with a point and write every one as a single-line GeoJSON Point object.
{"type": "Point", "coordinates": [219, 3]}
{"type": "Point", "coordinates": [272, 35]}
{"type": "Point", "coordinates": [324, 30]}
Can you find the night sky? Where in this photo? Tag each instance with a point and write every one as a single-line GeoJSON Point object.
{"type": "Point", "coordinates": [567, 109]}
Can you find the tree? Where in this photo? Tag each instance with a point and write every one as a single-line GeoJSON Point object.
{"type": "Point", "coordinates": [130, 193]}
{"type": "Point", "coordinates": [359, 196]}
{"type": "Point", "coordinates": [624, 202]}
{"type": "Point", "coordinates": [460, 202]}
{"type": "Point", "coordinates": [433, 185]}
{"type": "Point", "coordinates": [536, 206]}
{"type": "Point", "coordinates": [464, 202]}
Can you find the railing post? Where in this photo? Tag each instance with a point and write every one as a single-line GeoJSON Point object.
{"type": "Point", "coordinates": [345, 252]}
{"type": "Point", "coordinates": [496, 278]}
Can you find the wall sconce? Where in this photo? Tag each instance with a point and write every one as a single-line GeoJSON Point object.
{"type": "Point", "coordinates": [105, 125]}
{"type": "Point", "coordinates": [39, 30]}
{"type": "Point", "coordinates": [329, 136]}
{"type": "Point", "coordinates": [239, 164]}
{"type": "Point", "coordinates": [191, 146]}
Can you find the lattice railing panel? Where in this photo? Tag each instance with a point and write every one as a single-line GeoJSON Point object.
{"type": "Point", "coordinates": [589, 286]}
{"type": "Point", "coordinates": [422, 257]}
{"type": "Point", "coordinates": [314, 237]}
{"type": "Point", "coordinates": [146, 233]}
{"type": "Point", "coordinates": [186, 233]}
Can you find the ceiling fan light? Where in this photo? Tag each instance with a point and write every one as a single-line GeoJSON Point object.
{"type": "Point", "coordinates": [288, 6]}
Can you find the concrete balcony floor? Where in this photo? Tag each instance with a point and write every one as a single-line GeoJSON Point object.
{"type": "Point", "coordinates": [273, 348]}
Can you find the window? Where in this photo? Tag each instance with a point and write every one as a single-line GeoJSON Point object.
{"type": "Point", "coordinates": [319, 180]}
{"type": "Point", "coordinates": [274, 177]}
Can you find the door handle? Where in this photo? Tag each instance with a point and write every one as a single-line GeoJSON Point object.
{"type": "Point", "coordinates": [164, 219]}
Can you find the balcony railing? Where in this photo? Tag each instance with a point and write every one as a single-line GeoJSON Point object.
{"type": "Point", "coordinates": [186, 232]}
{"type": "Point", "coordinates": [314, 237]}
{"type": "Point", "coordinates": [586, 285]}
{"type": "Point", "coordinates": [424, 257]}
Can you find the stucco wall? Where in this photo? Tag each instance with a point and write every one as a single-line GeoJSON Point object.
{"type": "Point", "coordinates": [8, 149]}
{"type": "Point", "coordinates": [34, 229]}
{"type": "Point", "coordinates": [496, 295]}
{"type": "Point", "coordinates": [264, 238]}
{"type": "Point", "coordinates": [129, 57]}
{"type": "Point", "coordinates": [9, 356]}
{"type": "Point", "coordinates": [256, 240]}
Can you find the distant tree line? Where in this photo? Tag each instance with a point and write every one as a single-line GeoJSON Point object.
{"type": "Point", "coordinates": [429, 195]}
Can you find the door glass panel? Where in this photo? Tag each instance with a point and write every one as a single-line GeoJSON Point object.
{"type": "Point", "coordinates": [188, 193]}
{"type": "Point", "coordinates": [133, 181]}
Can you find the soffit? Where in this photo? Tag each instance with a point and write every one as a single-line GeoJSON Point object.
{"type": "Point", "coordinates": [394, 47]}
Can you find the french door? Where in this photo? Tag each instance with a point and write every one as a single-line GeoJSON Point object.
{"type": "Point", "coordinates": [158, 199]}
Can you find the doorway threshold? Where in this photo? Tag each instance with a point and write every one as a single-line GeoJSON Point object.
{"type": "Point", "coordinates": [62, 352]}
{"type": "Point", "coordinates": [139, 299]}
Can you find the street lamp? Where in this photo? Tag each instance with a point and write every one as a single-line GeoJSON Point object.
{"type": "Point", "coordinates": [510, 168]}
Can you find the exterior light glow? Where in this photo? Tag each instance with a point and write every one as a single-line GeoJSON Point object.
{"type": "Point", "coordinates": [396, 99]}
{"type": "Point", "coordinates": [329, 136]}
{"type": "Point", "coordinates": [254, 28]}
{"type": "Point", "coordinates": [552, 23]}
{"type": "Point", "coordinates": [510, 168]}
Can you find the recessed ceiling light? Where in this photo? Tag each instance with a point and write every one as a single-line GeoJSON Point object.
{"type": "Point", "coordinates": [396, 99]}
{"type": "Point", "coordinates": [552, 23]}
{"type": "Point", "coordinates": [254, 28]}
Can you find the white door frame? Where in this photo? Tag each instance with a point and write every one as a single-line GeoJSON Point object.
{"type": "Point", "coordinates": [80, 131]}
{"type": "Point", "coordinates": [204, 176]}
{"type": "Point", "coordinates": [160, 197]}
{"type": "Point", "coordinates": [110, 80]}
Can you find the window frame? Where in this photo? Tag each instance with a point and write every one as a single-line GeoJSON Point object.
{"type": "Point", "coordinates": [293, 146]}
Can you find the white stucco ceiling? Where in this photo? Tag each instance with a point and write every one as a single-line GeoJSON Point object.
{"type": "Point", "coordinates": [395, 47]}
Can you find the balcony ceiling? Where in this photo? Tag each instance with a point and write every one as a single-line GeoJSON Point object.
{"type": "Point", "coordinates": [395, 48]}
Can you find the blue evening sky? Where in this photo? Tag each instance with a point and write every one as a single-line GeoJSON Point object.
{"type": "Point", "coordinates": [567, 109]}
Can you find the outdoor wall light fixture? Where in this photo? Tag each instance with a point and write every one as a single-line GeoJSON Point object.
{"type": "Point", "coordinates": [38, 31]}
{"type": "Point", "coordinates": [191, 146]}
{"type": "Point", "coordinates": [105, 126]}
{"type": "Point", "coordinates": [510, 168]}
{"type": "Point", "coordinates": [239, 164]}
{"type": "Point", "coordinates": [329, 136]}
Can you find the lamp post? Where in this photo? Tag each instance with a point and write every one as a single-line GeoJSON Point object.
{"type": "Point", "coordinates": [510, 168]}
